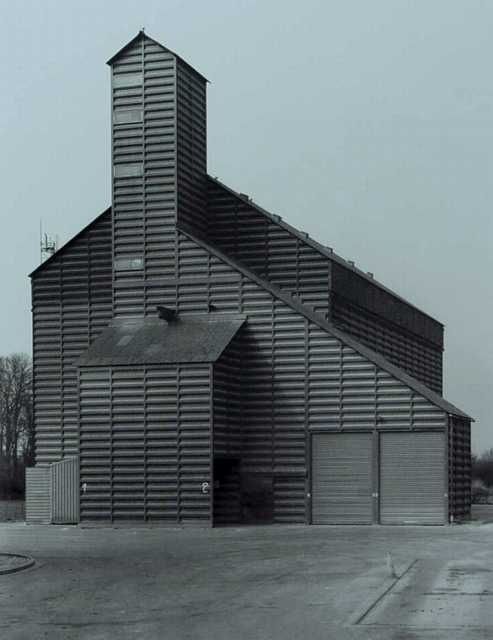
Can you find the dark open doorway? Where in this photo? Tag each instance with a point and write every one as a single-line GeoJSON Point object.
{"type": "Point", "coordinates": [227, 501]}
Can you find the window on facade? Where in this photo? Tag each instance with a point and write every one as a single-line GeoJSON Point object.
{"type": "Point", "coordinates": [129, 170]}
{"type": "Point", "coordinates": [129, 263]}
{"type": "Point", "coordinates": [127, 116]}
{"type": "Point", "coordinates": [127, 80]}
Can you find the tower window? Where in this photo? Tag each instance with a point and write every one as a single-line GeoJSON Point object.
{"type": "Point", "coordinates": [127, 116]}
{"type": "Point", "coordinates": [127, 80]}
{"type": "Point", "coordinates": [130, 170]}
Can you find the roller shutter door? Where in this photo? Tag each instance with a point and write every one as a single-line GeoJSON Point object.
{"type": "Point", "coordinates": [342, 478]}
{"type": "Point", "coordinates": [412, 478]}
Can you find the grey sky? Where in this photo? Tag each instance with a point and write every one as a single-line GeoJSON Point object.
{"type": "Point", "coordinates": [367, 124]}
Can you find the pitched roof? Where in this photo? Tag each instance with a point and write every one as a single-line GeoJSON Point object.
{"type": "Point", "coordinates": [68, 243]}
{"type": "Point", "coordinates": [142, 34]}
{"type": "Point", "coordinates": [323, 250]}
{"type": "Point", "coordinates": [197, 338]}
{"type": "Point", "coordinates": [371, 355]}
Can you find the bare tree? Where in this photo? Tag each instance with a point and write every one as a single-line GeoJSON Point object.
{"type": "Point", "coordinates": [16, 421]}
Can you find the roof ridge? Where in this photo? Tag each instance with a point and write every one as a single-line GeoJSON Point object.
{"type": "Point", "coordinates": [295, 304]}
{"type": "Point", "coordinates": [142, 34]}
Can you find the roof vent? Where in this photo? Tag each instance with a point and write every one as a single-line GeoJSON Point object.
{"type": "Point", "coordinates": [165, 313]}
{"type": "Point", "coordinates": [330, 249]}
{"type": "Point", "coordinates": [369, 274]}
{"type": "Point", "coordinates": [351, 262]}
{"type": "Point", "coordinates": [245, 195]}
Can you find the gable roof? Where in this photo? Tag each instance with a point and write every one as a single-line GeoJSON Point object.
{"type": "Point", "coordinates": [68, 243]}
{"type": "Point", "coordinates": [323, 250]}
{"type": "Point", "coordinates": [317, 319]}
{"type": "Point", "coordinates": [151, 340]}
{"type": "Point", "coordinates": [142, 34]}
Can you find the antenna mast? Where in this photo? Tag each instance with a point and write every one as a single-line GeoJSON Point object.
{"type": "Point", "coordinates": [47, 244]}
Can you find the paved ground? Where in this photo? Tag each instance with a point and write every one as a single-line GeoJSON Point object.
{"type": "Point", "coordinates": [249, 583]}
{"type": "Point", "coordinates": [11, 510]}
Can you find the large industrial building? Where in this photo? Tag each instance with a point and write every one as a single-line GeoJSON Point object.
{"type": "Point", "coordinates": [197, 360]}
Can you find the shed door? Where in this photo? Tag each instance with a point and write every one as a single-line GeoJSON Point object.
{"type": "Point", "coordinates": [342, 478]}
{"type": "Point", "coordinates": [65, 488]}
{"type": "Point", "coordinates": [412, 478]}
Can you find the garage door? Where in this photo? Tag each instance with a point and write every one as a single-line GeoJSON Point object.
{"type": "Point", "coordinates": [412, 478]}
{"type": "Point", "coordinates": [342, 478]}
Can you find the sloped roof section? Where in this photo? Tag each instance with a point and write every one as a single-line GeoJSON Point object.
{"type": "Point", "coordinates": [142, 34]}
{"type": "Point", "coordinates": [185, 339]}
{"type": "Point", "coordinates": [61, 250]}
{"type": "Point", "coordinates": [323, 250]}
{"type": "Point", "coordinates": [317, 319]}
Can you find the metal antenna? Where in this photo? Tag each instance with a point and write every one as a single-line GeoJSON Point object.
{"type": "Point", "coordinates": [48, 245]}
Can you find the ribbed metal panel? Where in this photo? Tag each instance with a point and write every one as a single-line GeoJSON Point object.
{"type": "Point", "coordinates": [65, 491]}
{"type": "Point", "coordinates": [227, 399]}
{"type": "Point", "coordinates": [388, 325]}
{"type": "Point", "coordinates": [38, 495]}
{"type": "Point", "coordinates": [459, 465]}
{"type": "Point", "coordinates": [145, 443]}
{"type": "Point", "coordinates": [144, 201]}
{"type": "Point", "coordinates": [227, 434]}
{"type": "Point", "coordinates": [71, 306]}
{"type": "Point", "coordinates": [421, 358]}
{"type": "Point", "coordinates": [159, 159]}
{"type": "Point", "coordinates": [191, 147]}
{"type": "Point", "coordinates": [342, 478]}
{"type": "Point", "coordinates": [293, 376]}
{"type": "Point", "coordinates": [412, 478]}
{"type": "Point", "coordinates": [357, 290]}
{"type": "Point", "coordinates": [95, 444]}
{"type": "Point", "coordinates": [267, 248]}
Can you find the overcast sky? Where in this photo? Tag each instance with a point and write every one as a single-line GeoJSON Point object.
{"type": "Point", "coordinates": [367, 124]}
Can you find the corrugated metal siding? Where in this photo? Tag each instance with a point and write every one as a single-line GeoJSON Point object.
{"type": "Point", "coordinates": [192, 152]}
{"type": "Point", "coordinates": [359, 291]}
{"type": "Point", "coordinates": [168, 147]}
{"type": "Point", "coordinates": [71, 306]}
{"type": "Point", "coordinates": [38, 495]}
{"type": "Point", "coordinates": [266, 248]}
{"type": "Point", "coordinates": [227, 401]}
{"type": "Point", "coordinates": [144, 205]}
{"type": "Point", "coordinates": [420, 358]}
{"type": "Point", "coordinates": [404, 335]}
{"type": "Point", "coordinates": [342, 390]}
{"type": "Point", "coordinates": [293, 376]}
{"type": "Point", "coordinates": [412, 478]}
{"type": "Point", "coordinates": [342, 482]}
{"type": "Point", "coordinates": [347, 391]}
{"type": "Point", "coordinates": [145, 443]}
{"type": "Point", "coordinates": [459, 468]}
{"type": "Point", "coordinates": [65, 491]}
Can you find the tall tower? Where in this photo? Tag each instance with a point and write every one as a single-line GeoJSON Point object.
{"type": "Point", "coordinates": [158, 163]}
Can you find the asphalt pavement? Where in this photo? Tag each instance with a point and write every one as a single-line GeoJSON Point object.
{"type": "Point", "coordinates": [246, 583]}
